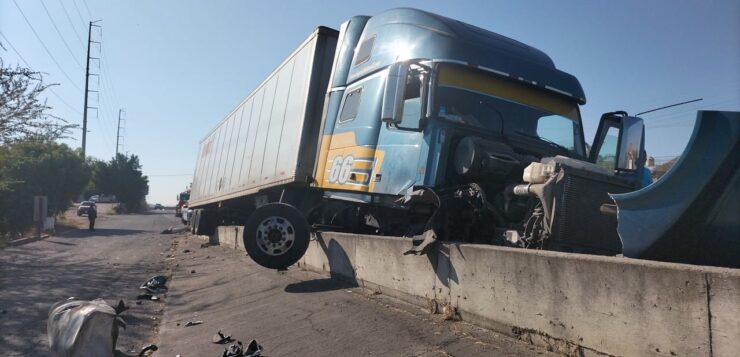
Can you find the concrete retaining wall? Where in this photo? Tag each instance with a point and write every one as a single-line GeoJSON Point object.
{"type": "Point", "coordinates": [576, 304]}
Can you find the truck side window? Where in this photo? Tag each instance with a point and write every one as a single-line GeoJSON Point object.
{"type": "Point", "coordinates": [363, 52]}
{"type": "Point", "coordinates": [607, 157]}
{"type": "Point", "coordinates": [412, 103]}
{"type": "Point", "coordinates": [351, 105]}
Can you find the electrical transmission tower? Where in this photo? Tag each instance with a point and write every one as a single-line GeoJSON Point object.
{"type": "Point", "coordinates": [119, 135]}
{"type": "Point", "coordinates": [87, 88]}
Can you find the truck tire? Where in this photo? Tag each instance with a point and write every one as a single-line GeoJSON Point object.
{"type": "Point", "coordinates": [276, 235]}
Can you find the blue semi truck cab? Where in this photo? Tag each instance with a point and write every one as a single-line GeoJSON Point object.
{"type": "Point", "coordinates": [429, 128]}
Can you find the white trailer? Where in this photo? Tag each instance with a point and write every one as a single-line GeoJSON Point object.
{"type": "Point", "coordinates": [270, 138]}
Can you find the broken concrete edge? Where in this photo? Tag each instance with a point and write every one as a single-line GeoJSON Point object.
{"type": "Point", "coordinates": [25, 240]}
{"type": "Point", "coordinates": [593, 305]}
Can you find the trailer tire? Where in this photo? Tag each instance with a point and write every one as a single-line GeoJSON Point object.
{"type": "Point", "coordinates": [276, 235]}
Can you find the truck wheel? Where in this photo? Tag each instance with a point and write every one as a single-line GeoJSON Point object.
{"type": "Point", "coordinates": [276, 235]}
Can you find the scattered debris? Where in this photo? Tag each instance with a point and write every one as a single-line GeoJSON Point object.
{"type": "Point", "coordinates": [234, 350]}
{"type": "Point", "coordinates": [205, 245]}
{"type": "Point", "coordinates": [450, 313]}
{"type": "Point", "coordinates": [147, 348]}
{"type": "Point", "coordinates": [192, 271]}
{"type": "Point", "coordinates": [186, 251]}
{"type": "Point", "coordinates": [138, 302]}
{"type": "Point", "coordinates": [220, 338]}
{"type": "Point", "coordinates": [193, 323]}
{"type": "Point", "coordinates": [147, 297]}
{"type": "Point", "coordinates": [254, 349]}
{"type": "Point", "coordinates": [155, 285]}
{"type": "Point", "coordinates": [171, 230]}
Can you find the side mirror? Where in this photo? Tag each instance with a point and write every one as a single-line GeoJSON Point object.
{"type": "Point", "coordinates": [395, 87]}
{"type": "Point", "coordinates": [631, 145]}
{"type": "Point", "coordinates": [619, 142]}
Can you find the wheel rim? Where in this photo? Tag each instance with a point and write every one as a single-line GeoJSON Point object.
{"type": "Point", "coordinates": [275, 235]}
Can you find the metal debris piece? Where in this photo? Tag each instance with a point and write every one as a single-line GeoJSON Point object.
{"type": "Point", "coordinates": [220, 338]}
{"type": "Point", "coordinates": [254, 349]}
{"type": "Point", "coordinates": [151, 347]}
{"type": "Point", "coordinates": [155, 284]}
{"type": "Point", "coordinates": [193, 323]}
{"type": "Point", "coordinates": [234, 350]}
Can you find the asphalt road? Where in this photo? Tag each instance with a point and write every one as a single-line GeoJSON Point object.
{"type": "Point", "coordinates": [293, 313]}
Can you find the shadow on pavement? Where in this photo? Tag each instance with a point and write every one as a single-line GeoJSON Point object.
{"type": "Point", "coordinates": [319, 285]}
{"type": "Point", "coordinates": [32, 282]}
{"type": "Point", "coordinates": [100, 232]}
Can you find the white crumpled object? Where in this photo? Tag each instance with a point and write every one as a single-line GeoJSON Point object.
{"type": "Point", "coordinates": [83, 328]}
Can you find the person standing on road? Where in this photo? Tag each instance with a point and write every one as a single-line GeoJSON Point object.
{"type": "Point", "coordinates": [92, 213]}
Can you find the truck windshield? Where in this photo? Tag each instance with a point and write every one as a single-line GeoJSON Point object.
{"type": "Point", "coordinates": [515, 110]}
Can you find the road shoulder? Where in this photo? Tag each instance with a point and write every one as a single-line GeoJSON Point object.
{"type": "Point", "coordinates": [304, 313]}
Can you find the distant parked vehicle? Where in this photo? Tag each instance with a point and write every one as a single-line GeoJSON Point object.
{"type": "Point", "coordinates": [94, 198]}
{"type": "Point", "coordinates": [84, 207]}
{"type": "Point", "coordinates": [158, 206]}
{"type": "Point", "coordinates": [106, 199]}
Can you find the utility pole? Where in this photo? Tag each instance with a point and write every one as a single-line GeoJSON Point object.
{"type": "Point", "coordinates": [87, 80]}
{"type": "Point", "coordinates": [118, 132]}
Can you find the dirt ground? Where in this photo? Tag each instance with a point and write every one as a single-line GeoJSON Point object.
{"type": "Point", "coordinates": [70, 220]}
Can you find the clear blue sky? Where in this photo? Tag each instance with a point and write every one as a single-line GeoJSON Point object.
{"type": "Point", "coordinates": [178, 67]}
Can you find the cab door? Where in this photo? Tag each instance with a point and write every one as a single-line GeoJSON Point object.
{"type": "Point", "coordinates": [351, 152]}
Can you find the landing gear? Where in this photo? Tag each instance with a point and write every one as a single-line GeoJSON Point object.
{"type": "Point", "coordinates": [276, 235]}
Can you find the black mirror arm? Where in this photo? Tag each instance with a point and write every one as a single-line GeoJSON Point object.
{"type": "Point", "coordinates": [398, 127]}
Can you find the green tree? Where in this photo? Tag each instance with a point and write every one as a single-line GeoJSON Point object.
{"type": "Point", "coordinates": [122, 177]}
{"type": "Point", "coordinates": [37, 167]}
{"type": "Point", "coordinates": [22, 114]}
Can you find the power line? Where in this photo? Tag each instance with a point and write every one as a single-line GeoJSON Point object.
{"type": "Point", "coordinates": [45, 48]}
{"type": "Point", "coordinates": [87, 8]}
{"type": "Point", "coordinates": [60, 34]}
{"type": "Point", "coordinates": [30, 67]}
{"type": "Point", "coordinates": [78, 11]}
{"type": "Point", "coordinates": [74, 29]}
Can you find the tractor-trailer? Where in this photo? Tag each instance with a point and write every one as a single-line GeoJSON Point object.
{"type": "Point", "coordinates": [412, 124]}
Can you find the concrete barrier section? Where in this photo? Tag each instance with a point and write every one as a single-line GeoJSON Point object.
{"type": "Point", "coordinates": [724, 303]}
{"type": "Point", "coordinates": [380, 262]}
{"type": "Point", "coordinates": [614, 306]}
{"type": "Point", "coordinates": [572, 303]}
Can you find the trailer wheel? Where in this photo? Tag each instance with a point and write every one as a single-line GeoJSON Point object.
{"type": "Point", "coordinates": [276, 235]}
